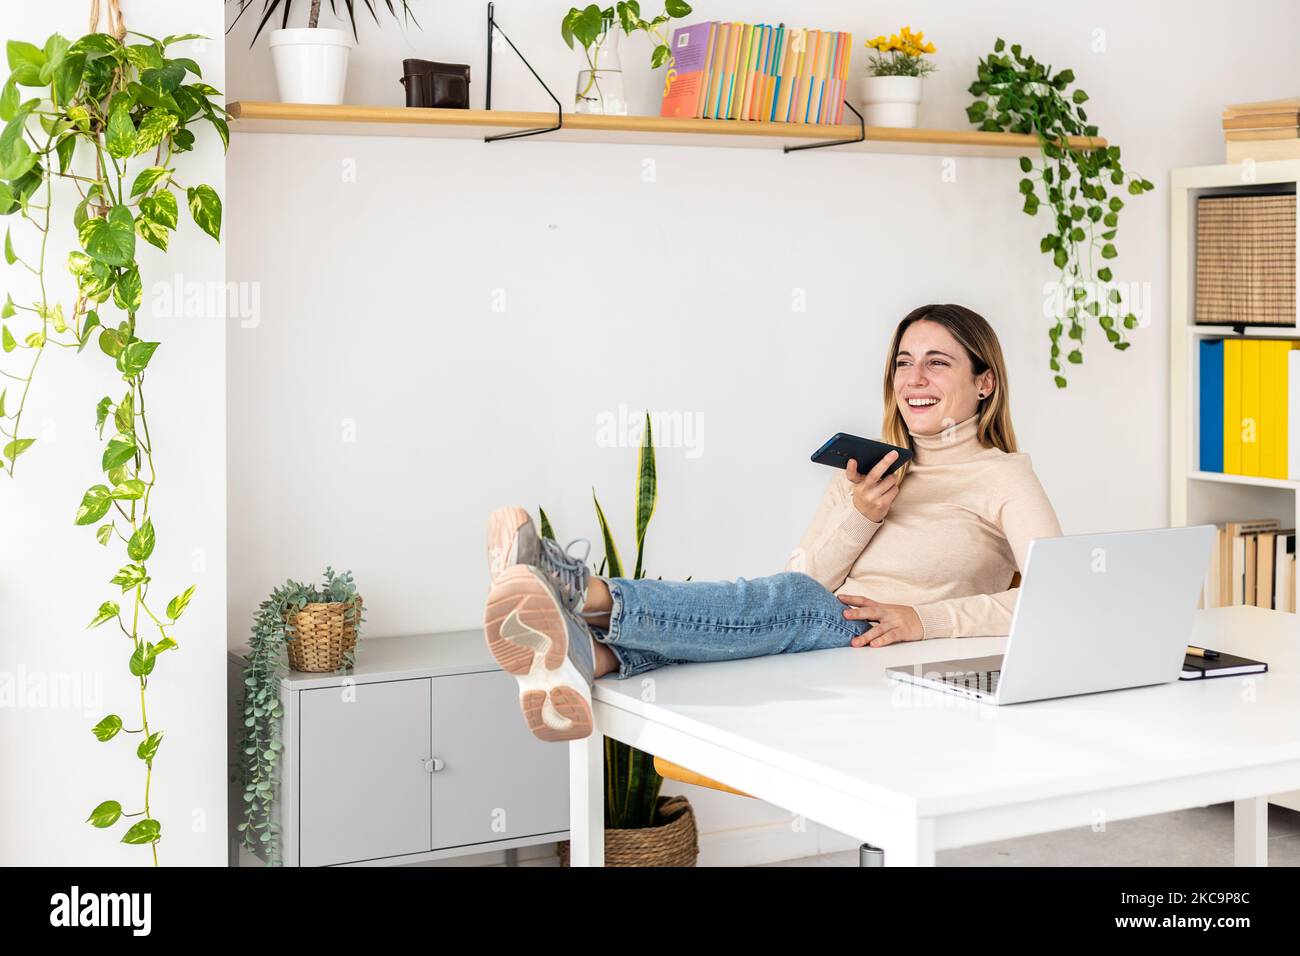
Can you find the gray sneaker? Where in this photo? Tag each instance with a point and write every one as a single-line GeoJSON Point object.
{"type": "Point", "coordinates": [512, 539]}
{"type": "Point", "coordinates": [546, 646]}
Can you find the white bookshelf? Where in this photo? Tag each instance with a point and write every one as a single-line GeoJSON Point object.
{"type": "Point", "coordinates": [1195, 496]}
{"type": "Point", "coordinates": [1252, 480]}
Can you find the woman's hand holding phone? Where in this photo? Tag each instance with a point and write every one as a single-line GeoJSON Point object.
{"type": "Point", "coordinates": [872, 494]}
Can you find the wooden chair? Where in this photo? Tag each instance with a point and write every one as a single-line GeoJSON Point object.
{"type": "Point", "coordinates": [674, 771]}
{"type": "Point", "coordinates": [867, 854]}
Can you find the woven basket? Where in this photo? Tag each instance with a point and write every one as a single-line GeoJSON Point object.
{"type": "Point", "coordinates": [674, 842]}
{"type": "Point", "coordinates": [320, 635]}
{"type": "Point", "coordinates": [1245, 260]}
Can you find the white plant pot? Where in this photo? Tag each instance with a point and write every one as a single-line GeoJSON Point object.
{"type": "Point", "coordinates": [891, 100]}
{"type": "Point", "coordinates": [311, 64]}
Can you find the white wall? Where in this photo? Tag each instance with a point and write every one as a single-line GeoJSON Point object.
{"type": "Point", "coordinates": [381, 407]}
{"type": "Point", "coordinates": [53, 575]}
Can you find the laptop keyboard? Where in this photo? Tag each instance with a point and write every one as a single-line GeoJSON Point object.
{"type": "Point", "coordinates": [983, 681]}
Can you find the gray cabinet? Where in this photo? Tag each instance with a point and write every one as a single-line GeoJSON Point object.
{"type": "Point", "coordinates": [363, 789]}
{"type": "Point", "coordinates": [418, 753]}
{"type": "Point", "coordinates": [486, 753]}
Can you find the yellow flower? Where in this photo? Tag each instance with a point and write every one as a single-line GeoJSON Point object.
{"type": "Point", "coordinates": [904, 41]}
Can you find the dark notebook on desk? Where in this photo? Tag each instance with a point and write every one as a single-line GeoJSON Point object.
{"type": "Point", "coordinates": [1225, 665]}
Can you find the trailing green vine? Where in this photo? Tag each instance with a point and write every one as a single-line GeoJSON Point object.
{"type": "Point", "coordinates": [1015, 93]}
{"type": "Point", "coordinates": [102, 104]}
{"type": "Point", "coordinates": [260, 743]}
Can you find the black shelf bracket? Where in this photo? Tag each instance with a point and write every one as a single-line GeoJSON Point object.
{"type": "Point", "coordinates": [862, 135]}
{"type": "Point", "coordinates": [494, 27]}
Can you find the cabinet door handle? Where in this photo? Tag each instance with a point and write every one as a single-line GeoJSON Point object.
{"type": "Point", "coordinates": [433, 764]}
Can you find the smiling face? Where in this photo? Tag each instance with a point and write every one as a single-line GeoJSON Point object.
{"type": "Point", "coordinates": [935, 384]}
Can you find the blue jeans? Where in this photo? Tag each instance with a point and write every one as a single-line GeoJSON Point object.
{"type": "Point", "coordinates": [653, 623]}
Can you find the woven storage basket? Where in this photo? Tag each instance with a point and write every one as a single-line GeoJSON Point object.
{"type": "Point", "coordinates": [674, 842]}
{"type": "Point", "coordinates": [321, 635]}
{"type": "Point", "coordinates": [1245, 260]}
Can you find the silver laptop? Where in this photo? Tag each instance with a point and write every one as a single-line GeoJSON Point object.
{"type": "Point", "coordinates": [1095, 612]}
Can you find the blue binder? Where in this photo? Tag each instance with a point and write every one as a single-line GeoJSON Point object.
{"type": "Point", "coordinates": [1211, 424]}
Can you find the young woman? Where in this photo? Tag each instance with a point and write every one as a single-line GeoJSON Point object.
{"type": "Point", "coordinates": [929, 551]}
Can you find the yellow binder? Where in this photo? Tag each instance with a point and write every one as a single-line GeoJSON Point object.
{"type": "Point", "coordinates": [1266, 433]}
{"type": "Point", "coordinates": [1250, 406]}
{"type": "Point", "coordinates": [1232, 406]}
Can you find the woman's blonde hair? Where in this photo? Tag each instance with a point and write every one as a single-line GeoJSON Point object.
{"type": "Point", "coordinates": [985, 352]}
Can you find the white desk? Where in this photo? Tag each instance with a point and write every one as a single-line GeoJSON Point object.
{"type": "Point", "coordinates": [828, 736]}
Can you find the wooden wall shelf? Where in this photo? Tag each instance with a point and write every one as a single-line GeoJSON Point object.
{"type": "Point", "coordinates": [259, 117]}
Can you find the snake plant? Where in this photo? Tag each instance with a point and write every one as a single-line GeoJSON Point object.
{"type": "Point", "coordinates": [631, 781]}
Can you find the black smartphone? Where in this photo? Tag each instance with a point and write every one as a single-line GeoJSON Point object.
{"type": "Point", "coordinates": [867, 453]}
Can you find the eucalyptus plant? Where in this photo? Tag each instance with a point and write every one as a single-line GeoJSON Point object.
{"type": "Point", "coordinates": [631, 782]}
{"type": "Point", "coordinates": [260, 743]}
{"type": "Point", "coordinates": [110, 118]}
{"type": "Point", "coordinates": [1016, 93]}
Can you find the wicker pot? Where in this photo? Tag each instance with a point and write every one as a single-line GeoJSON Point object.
{"type": "Point", "coordinates": [674, 842]}
{"type": "Point", "coordinates": [320, 635]}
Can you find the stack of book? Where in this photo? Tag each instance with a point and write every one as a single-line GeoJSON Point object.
{"type": "Point", "coordinates": [757, 72]}
{"type": "Point", "coordinates": [1254, 563]}
{"type": "Point", "coordinates": [1249, 404]}
{"type": "Point", "coordinates": [1262, 131]}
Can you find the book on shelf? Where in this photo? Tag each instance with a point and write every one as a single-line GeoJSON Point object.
{"type": "Point", "coordinates": [1255, 135]}
{"type": "Point", "coordinates": [1247, 407]}
{"type": "Point", "coordinates": [785, 79]}
{"type": "Point", "coordinates": [1289, 119]}
{"type": "Point", "coordinates": [1268, 130]}
{"type": "Point", "coordinates": [733, 65]}
{"type": "Point", "coordinates": [1253, 563]}
{"type": "Point", "coordinates": [1260, 150]}
{"type": "Point", "coordinates": [1265, 107]}
{"type": "Point", "coordinates": [686, 83]}
{"type": "Point", "coordinates": [756, 72]}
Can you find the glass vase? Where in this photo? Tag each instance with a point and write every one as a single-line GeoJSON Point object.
{"type": "Point", "coordinates": [600, 86]}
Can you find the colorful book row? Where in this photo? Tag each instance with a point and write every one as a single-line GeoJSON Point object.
{"type": "Point", "coordinates": [1249, 403]}
{"type": "Point", "coordinates": [757, 72]}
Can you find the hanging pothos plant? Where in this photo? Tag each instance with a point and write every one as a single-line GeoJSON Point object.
{"type": "Point", "coordinates": [1015, 93]}
{"type": "Point", "coordinates": [110, 118]}
{"type": "Point", "coordinates": [588, 26]}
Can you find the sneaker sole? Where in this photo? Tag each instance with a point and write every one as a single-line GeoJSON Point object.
{"type": "Point", "coordinates": [503, 539]}
{"type": "Point", "coordinates": [526, 633]}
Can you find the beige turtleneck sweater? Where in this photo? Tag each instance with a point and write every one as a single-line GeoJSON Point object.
{"type": "Point", "coordinates": [958, 530]}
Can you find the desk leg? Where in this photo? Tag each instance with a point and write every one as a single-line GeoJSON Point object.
{"type": "Point", "coordinates": [1250, 832]}
{"type": "Point", "coordinates": [909, 842]}
{"type": "Point", "coordinates": [587, 800]}
{"type": "Point", "coordinates": [917, 848]}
